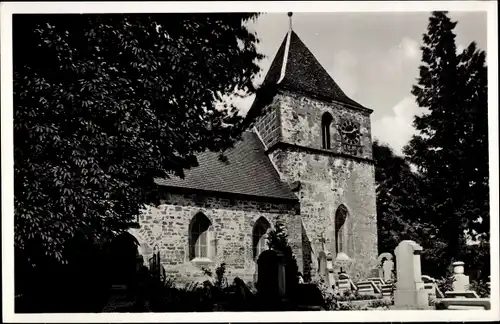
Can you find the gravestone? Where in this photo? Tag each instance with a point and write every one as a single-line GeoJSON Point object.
{"type": "Point", "coordinates": [271, 275]}
{"type": "Point", "coordinates": [342, 263]}
{"type": "Point", "coordinates": [387, 265]}
{"type": "Point", "coordinates": [323, 266]}
{"type": "Point", "coordinates": [410, 291]}
{"type": "Point", "coordinates": [330, 275]}
{"type": "Point", "coordinates": [461, 282]}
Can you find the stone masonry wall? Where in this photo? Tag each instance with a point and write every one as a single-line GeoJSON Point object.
{"type": "Point", "coordinates": [268, 124]}
{"type": "Point", "coordinates": [329, 180]}
{"type": "Point", "coordinates": [326, 183]}
{"type": "Point", "coordinates": [166, 228]}
{"type": "Point", "coordinates": [301, 122]}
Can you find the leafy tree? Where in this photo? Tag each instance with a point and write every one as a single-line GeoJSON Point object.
{"type": "Point", "coordinates": [397, 198]}
{"type": "Point", "coordinates": [103, 104]}
{"type": "Point", "coordinates": [451, 146]}
{"type": "Point", "coordinates": [402, 210]}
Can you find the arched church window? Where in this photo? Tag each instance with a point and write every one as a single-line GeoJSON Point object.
{"type": "Point", "coordinates": [201, 238]}
{"type": "Point", "coordinates": [326, 122]}
{"type": "Point", "coordinates": [340, 222]}
{"type": "Point", "coordinates": [259, 236]}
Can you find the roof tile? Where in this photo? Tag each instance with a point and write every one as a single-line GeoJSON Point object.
{"type": "Point", "coordinates": [247, 171]}
{"type": "Point", "coordinates": [304, 73]}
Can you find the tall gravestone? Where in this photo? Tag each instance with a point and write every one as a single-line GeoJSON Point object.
{"type": "Point", "coordinates": [326, 268]}
{"type": "Point", "coordinates": [330, 270]}
{"type": "Point", "coordinates": [410, 291]}
{"type": "Point", "coordinates": [268, 283]}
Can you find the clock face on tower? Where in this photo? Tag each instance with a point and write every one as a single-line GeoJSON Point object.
{"type": "Point", "coordinates": [350, 136]}
{"type": "Point", "coordinates": [349, 131]}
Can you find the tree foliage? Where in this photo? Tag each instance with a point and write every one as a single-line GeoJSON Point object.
{"type": "Point", "coordinates": [402, 212]}
{"type": "Point", "coordinates": [451, 147]}
{"type": "Point", "coordinates": [449, 190]}
{"type": "Point", "coordinates": [103, 104]}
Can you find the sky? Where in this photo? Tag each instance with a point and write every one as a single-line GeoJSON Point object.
{"type": "Point", "coordinates": [373, 57]}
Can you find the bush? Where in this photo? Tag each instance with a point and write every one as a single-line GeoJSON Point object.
{"type": "Point", "coordinates": [349, 295]}
{"type": "Point", "coordinates": [380, 303]}
{"type": "Point", "coordinates": [251, 287]}
{"type": "Point", "coordinates": [336, 300]}
{"type": "Point", "coordinates": [349, 306]}
{"type": "Point", "coordinates": [480, 287]}
{"type": "Point", "coordinates": [445, 283]}
{"type": "Point", "coordinates": [220, 273]}
{"type": "Point", "coordinates": [438, 305]}
{"type": "Point", "coordinates": [328, 297]}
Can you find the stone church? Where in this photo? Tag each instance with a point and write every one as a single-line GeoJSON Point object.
{"type": "Point", "coordinates": [306, 162]}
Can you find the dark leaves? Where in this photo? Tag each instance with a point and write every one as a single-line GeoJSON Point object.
{"type": "Point", "coordinates": [105, 103]}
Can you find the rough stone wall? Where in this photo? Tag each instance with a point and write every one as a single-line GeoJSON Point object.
{"type": "Point", "coordinates": [328, 180]}
{"type": "Point", "coordinates": [301, 122]}
{"type": "Point", "coordinates": [326, 183]}
{"type": "Point", "coordinates": [268, 124]}
{"type": "Point", "coordinates": [165, 228]}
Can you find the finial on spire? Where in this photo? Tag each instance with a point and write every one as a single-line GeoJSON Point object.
{"type": "Point", "coordinates": [290, 14]}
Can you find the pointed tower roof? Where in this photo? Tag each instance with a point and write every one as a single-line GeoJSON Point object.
{"type": "Point", "coordinates": [296, 69]}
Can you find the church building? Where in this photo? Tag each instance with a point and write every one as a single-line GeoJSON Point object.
{"type": "Point", "coordinates": [307, 162]}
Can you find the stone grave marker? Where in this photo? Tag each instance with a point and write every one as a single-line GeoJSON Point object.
{"type": "Point", "coordinates": [268, 275]}
{"type": "Point", "coordinates": [461, 282]}
{"type": "Point", "coordinates": [330, 269]}
{"type": "Point", "coordinates": [386, 264]}
{"type": "Point", "coordinates": [388, 267]}
{"type": "Point", "coordinates": [410, 291]}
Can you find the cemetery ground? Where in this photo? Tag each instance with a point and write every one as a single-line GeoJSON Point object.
{"type": "Point", "coordinates": [82, 289]}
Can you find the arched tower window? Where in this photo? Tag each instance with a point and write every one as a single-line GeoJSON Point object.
{"type": "Point", "coordinates": [259, 235]}
{"type": "Point", "coordinates": [201, 238]}
{"type": "Point", "coordinates": [326, 121]}
{"type": "Point", "coordinates": [340, 235]}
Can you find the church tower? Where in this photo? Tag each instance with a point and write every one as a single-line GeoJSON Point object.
{"type": "Point", "coordinates": [320, 141]}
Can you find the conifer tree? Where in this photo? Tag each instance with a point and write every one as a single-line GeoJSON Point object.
{"type": "Point", "coordinates": [450, 148]}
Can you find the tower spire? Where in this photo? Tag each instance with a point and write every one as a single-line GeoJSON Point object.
{"type": "Point", "coordinates": [287, 48]}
